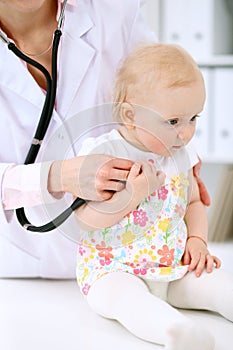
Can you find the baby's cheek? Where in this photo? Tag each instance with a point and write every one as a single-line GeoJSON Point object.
{"type": "Point", "coordinates": [157, 145]}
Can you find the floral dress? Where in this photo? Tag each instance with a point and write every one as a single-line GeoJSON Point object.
{"type": "Point", "coordinates": [148, 242]}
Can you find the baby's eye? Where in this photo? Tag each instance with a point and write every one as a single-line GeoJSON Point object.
{"type": "Point", "coordinates": [173, 121]}
{"type": "Point", "coordinates": [193, 119]}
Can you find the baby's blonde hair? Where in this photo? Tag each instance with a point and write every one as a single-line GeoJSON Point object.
{"type": "Point", "coordinates": [164, 64]}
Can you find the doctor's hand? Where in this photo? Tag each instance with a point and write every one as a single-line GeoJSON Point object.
{"type": "Point", "coordinates": [94, 177]}
{"type": "Point", "coordinates": [205, 198]}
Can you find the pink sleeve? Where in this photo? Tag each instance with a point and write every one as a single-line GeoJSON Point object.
{"type": "Point", "coordinates": [26, 186]}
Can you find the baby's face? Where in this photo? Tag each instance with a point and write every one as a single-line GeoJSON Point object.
{"type": "Point", "coordinates": [168, 121]}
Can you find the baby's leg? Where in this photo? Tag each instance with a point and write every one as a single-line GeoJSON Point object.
{"type": "Point", "coordinates": [211, 291]}
{"type": "Point", "coordinates": [126, 298]}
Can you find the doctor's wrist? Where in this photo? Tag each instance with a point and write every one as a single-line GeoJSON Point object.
{"type": "Point", "coordinates": [54, 184]}
{"type": "Point", "coordinates": [63, 176]}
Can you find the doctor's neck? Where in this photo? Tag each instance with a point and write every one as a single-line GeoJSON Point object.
{"type": "Point", "coordinates": [22, 20]}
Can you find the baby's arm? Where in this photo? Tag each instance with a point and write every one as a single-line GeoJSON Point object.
{"type": "Point", "coordinates": [142, 180]}
{"type": "Point", "coordinates": [196, 252]}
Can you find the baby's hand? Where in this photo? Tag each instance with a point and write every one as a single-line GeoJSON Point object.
{"type": "Point", "coordinates": [143, 179]}
{"type": "Point", "coordinates": [198, 257]}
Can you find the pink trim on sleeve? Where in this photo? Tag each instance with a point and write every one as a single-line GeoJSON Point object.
{"type": "Point", "coordinates": [26, 186]}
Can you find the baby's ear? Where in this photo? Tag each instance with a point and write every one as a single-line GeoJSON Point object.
{"type": "Point", "coordinates": [127, 115]}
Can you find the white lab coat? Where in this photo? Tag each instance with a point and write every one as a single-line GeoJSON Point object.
{"type": "Point", "coordinates": [96, 35]}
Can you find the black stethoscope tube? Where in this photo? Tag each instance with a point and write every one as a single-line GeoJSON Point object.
{"type": "Point", "coordinates": [44, 118]}
{"type": "Point", "coordinates": [41, 129]}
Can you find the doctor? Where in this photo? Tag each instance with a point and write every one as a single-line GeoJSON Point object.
{"type": "Point", "coordinates": [96, 36]}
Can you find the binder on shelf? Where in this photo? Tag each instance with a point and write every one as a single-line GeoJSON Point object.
{"type": "Point", "coordinates": [201, 137]}
{"type": "Point", "coordinates": [202, 27]}
{"type": "Point", "coordinates": [223, 106]}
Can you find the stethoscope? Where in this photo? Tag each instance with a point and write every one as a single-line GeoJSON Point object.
{"type": "Point", "coordinates": [43, 124]}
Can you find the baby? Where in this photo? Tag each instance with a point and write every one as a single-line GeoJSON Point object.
{"type": "Point", "coordinates": [144, 253]}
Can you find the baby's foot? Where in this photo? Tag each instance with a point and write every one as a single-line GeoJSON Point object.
{"type": "Point", "coordinates": [183, 336]}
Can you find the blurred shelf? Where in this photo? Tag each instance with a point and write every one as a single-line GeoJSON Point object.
{"type": "Point", "coordinates": [217, 159]}
{"type": "Point", "coordinates": [216, 61]}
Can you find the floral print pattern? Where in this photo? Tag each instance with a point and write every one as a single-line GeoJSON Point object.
{"type": "Point", "coordinates": [140, 217]}
{"type": "Point", "coordinates": [148, 242]}
{"type": "Point", "coordinates": [167, 255]}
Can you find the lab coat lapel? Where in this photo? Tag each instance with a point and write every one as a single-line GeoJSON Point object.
{"type": "Point", "coordinates": [10, 67]}
{"type": "Point", "coordinates": [26, 87]}
{"type": "Point", "coordinates": [71, 72]}
{"type": "Point", "coordinates": [76, 56]}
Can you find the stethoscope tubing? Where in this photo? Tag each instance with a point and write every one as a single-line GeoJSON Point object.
{"type": "Point", "coordinates": [45, 117]}
{"type": "Point", "coordinates": [41, 130]}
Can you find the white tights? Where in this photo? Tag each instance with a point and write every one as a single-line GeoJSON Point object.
{"type": "Point", "coordinates": [146, 309]}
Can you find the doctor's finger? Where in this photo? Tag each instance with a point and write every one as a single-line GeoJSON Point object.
{"type": "Point", "coordinates": [121, 163]}
{"type": "Point", "coordinates": [118, 174]}
{"type": "Point", "coordinates": [111, 185]}
{"type": "Point", "coordinates": [115, 169]}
